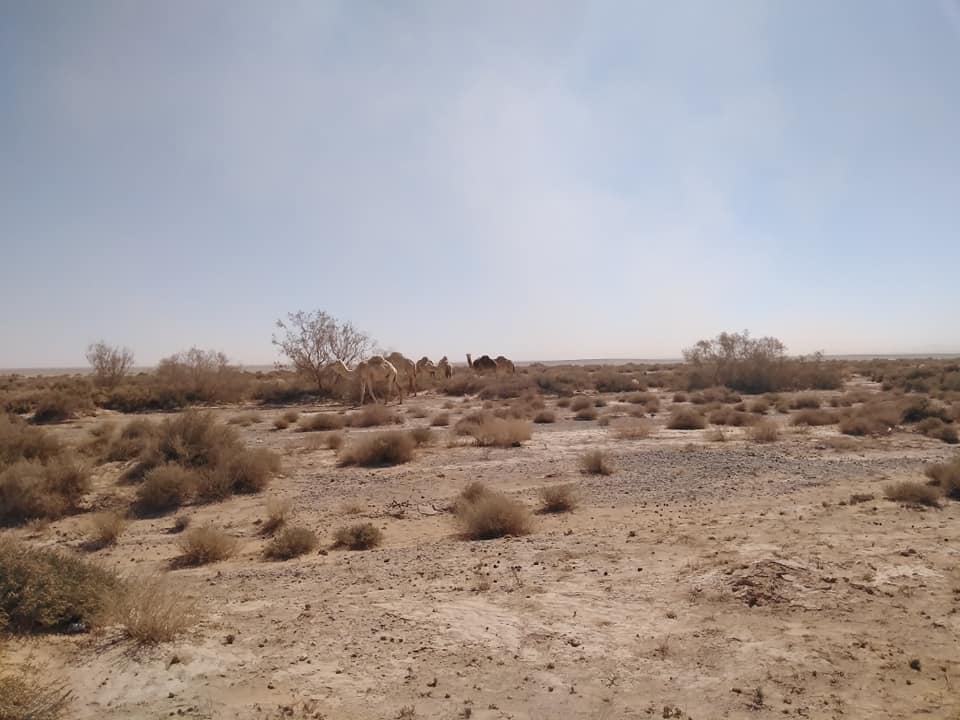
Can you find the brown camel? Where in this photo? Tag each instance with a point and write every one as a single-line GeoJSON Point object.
{"type": "Point", "coordinates": [369, 372]}
{"type": "Point", "coordinates": [483, 364]}
{"type": "Point", "coordinates": [504, 365]}
{"type": "Point", "coordinates": [444, 368]}
{"type": "Point", "coordinates": [426, 368]}
{"type": "Point", "coordinates": [407, 370]}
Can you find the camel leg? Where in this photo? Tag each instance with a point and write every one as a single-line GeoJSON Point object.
{"type": "Point", "coordinates": [372, 393]}
{"type": "Point", "coordinates": [399, 388]}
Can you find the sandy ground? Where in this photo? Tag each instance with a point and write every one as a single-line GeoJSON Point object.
{"type": "Point", "coordinates": [700, 580]}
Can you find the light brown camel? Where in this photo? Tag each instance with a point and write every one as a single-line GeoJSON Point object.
{"type": "Point", "coordinates": [504, 365]}
{"type": "Point", "coordinates": [444, 368]}
{"type": "Point", "coordinates": [426, 368]}
{"type": "Point", "coordinates": [407, 370]}
{"type": "Point", "coordinates": [369, 372]}
{"type": "Point", "coordinates": [483, 364]}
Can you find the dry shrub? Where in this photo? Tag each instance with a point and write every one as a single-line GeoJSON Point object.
{"type": "Point", "coordinates": [765, 432]}
{"type": "Point", "coordinates": [814, 418]}
{"type": "Point", "coordinates": [334, 441]}
{"type": "Point", "coordinates": [249, 470]}
{"type": "Point", "coordinates": [31, 692]}
{"type": "Point", "coordinates": [632, 429]}
{"type": "Point", "coordinates": [938, 430]}
{"type": "Point", "coordinates": [680, 397]}
{"type": "Point", "coordinates": [377, 449]}
{"type": "Point", "coordinates": [491, 515]}
{"type": "Point", "coordinates": [205, 544]}
{"type": "Point", "coordinates": [421, 436]}
{"type": "Point", "coordinates": [558, 498]}
{"type": "Point", "coordinates": [30, 489]}
{"type": "Point", "coordinates": [181, 523]}
{"type": "Point", "coordinates": [595, 462]}
{"type": "Point", "coordinates": [686, 418]}
{"type": "Point", "coordinates": [912, 493]}
{"type": "Point", "coordinates": [490, 431]}
{"type": "Point", "coordinates": [166, 488]}
{"type": "Point", "coordinates": [587, 413]}
{"type": "Point", "coordinates": [759, 407]}
{"type": "Point", "coordinates": [581, 402]}
{"type": "Point", "coordinates": [58, 406]}
{"type": "Point", "coordinates": [417, 412]}
{"type": "Point", "coordinates": [277, 511]}
{"type": "Point", "coordinates": [440, 420]}
{"type": "Point", "coordinates": [360, 536]}
{"type": "Point", "coordinates": [717, 435]}
{"type": "Point", "coordinates": [508, 386]}
{"type": "Point", "coordinates": [726, 415]}
{"type": "Point", "coordinates": [106, 527]}
{"type": "Point", "coordinates": [545, 416]}
{"type": "Point", "coordinates": [923, 408]}
{"type": "Point", "coordinates": [151, 610]}
{"type": "Point", "coordinates": [372, 416]}
{"type": "Point", "coordinates": [327, 421]}
{"type": "Point", "coordinates": [806, 401]}
{"type": "Point", "coordinates": [614, 381]}
{"type": "Point", "coordinates": [291, 542]}
{"type": "Point", "coordinates": [245, 419]}
{"type": "Point", "coordinates": [47, 590]}
{"type": "Point", "coordinates": [563, 402]}
{"type": "Point", "coordinates": [196, 440]}
{"type": "Point", "coordinates": [946, 476]}
{"type": "Point", "coordinates": [282, 422]}
{"type": "Point", "coordinates": [19, 441]}
{"type": "Point", "coordinates": [136, 437]}
{"type": "Point", "coordinates": [872, 419]}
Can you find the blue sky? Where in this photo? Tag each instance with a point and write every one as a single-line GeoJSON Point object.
{"type": "Point", "coordinates": [545, 180]}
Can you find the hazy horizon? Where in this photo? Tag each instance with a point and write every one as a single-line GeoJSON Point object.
{"type": "Point", "coordinates": [539, 180]}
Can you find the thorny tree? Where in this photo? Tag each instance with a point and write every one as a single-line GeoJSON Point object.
{"type": "Point", "coordinates": [311, 340]}
{"type": "Point", "coordinates": [109, 363]}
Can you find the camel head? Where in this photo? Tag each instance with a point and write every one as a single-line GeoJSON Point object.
{"type": "Point", "coordinates": [469, 361]}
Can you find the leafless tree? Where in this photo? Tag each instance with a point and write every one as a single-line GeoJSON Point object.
{"type": "Point", "coordinates": [311, 340]}
{"type": "Point", "coordinates": [109, 363]}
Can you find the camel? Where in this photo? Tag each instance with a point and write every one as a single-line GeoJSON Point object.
{"type": "Point", "coordinates": [370, 372]}
{"type": "Point", "coordinates": [426, 368]}
{"type": "Point", "coordinates": [407, 368]}
{"type": "Point", "coordinates": [482, 364]}
{"type": "Point", "coordinates": [443, 367]}
{"type": "Point", "coordinates": [504, 365]}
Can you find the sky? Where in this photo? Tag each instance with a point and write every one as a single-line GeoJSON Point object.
{"type": "Point", "coordinates": [544, 180]}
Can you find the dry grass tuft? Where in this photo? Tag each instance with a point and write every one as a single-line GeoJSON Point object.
{"type": "Point", "coordinates": [282, 422]}
{"type": "Point", "coordinates": [581, 402]}
{"type": "Point", "coordinates": [814, 418]}
{"type": "Point", "coordinates": [373, 416]}
{"type": "Point", "coordinates": [912, 493]}
{"type": "Point", "coordinates": [490, 431]}
{"type": "Point", "coordinates": [278, 509]}
{"type": "Point", "coordinates": [765, 432]}
{"type": "Point", "coordinates": [181, 523]}
{"type": "Point", "coordinates": [205, 544]}
{"type": "Point", "coordinates": [166, 488]}
{"type": "Point", "coordinates": [151, 610]}
{"type": "Point", "coordinates": [946, 476]}
{"type": "Point", "coordinates": [595, 462]}
{"type": "Point", "coordinates": [717, 435]}
{"type": "Point", "coordinates": [334, 440]}
{"type": "Point", "coordinates": [937, 429]}
{"type": "Point", "coordinates": [291, 542]}
{"type": "Point", "coordinates": [29, 692]}
{"type": "Point", "coordinates": [440, 420]}
{"type": "Point", "coordinates": [360, 536]}
{"type": "Point", "coordinates": [319, 422]}
{"type": "Point", "coordinates": [491, 515]}
{"type": "Point", "coordinates": [105, 528]}
{"type": "Point", "coordinates": [421, 436]}
{"type": "Point", "coordinates": [806, 401]}
{"type": "Point", "coordinates": [877, 418]}
{"type": "Point", "coordinates": [30, 489]}
{"type": "Point", "coordinates": [246, 419]}
{"type": "Point", "coordinates": [558, 498]}
{"type": "Point", "coordinates": [545, 416]}
{"type": "Point", "coordinates": [629, 429]}
{"type": "Point", "coordinates": [378, 449]}
{"type": "Point", "coordinates": [587, 413]}
{"type": "Point", "coordinates": [686, 418]}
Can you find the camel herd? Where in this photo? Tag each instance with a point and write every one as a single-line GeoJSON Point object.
{"type": "Point", "coordinates": [399, 374]}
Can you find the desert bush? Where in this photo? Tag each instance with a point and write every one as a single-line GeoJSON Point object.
{"type": "Point", "coordinates": [195, 439]}
{"type": "Point", "coordinates": [136, 437]}
{"type": "Point", "coordinates": [463, 384]}
{"type": "Point", "coordinates": [106, 527]}
{"type": "Point", "coordinates": [30, 489]}
{"type": "Point", "coordinates": [247, 471]}
{"type": "Point", "coordinates": [871, 419]}
{"type": "Point", "coordinates": [563, 381]}
{"type": "Point", "coordinates": [291, 542]}
{"type": "Point", "coordinates": [109, 363]}
{"type": "Point", "coordinates": [165, 488]}
{"type": "Point", "coordinates": [374, 449]}
{"type": "Point", "coordinates": [627, 429]}
{"type": "Point", "coordinates": [726, 415]}
{"type": "Point", "coordinates": [612, 381]}
{"type": "Point", "coordinates": [58, 406]}
{"type": "Point", "coordinates": [181, 523]}
{"type": "Point", "coordinates": [492, 515]}
{"type": "Point", "coordinates": [152, 610]}
{"type": "Point", "coordinates": [488, 430]}
{"type": "Point", "coordinates": [935, 428]}
{"type": "Point", "coordinates": [333, 441]}
{"type": "Point", "coordinates": [280, 423]}
{"type": "Point", "coordinates": [372, 416]}
{"type": "Point", "coordinates": [595, 462]}
{"type": "Point", "coordinates": [805, 401]}
{"type": "Point", "coordinates": [19, 441]}
{"type": "Point", "coordinates": [759, 407]}
{"type": "Point", "coordinates": [359, 536]}
{"type": "Point", "coordinates": [421, 435]}
{"type": "Point", "coordinates": [440, 420]}
{"type": "Point", "coordinates": [331, 421]}
{"type": "Point", "coordinates": [558, 498]}
{"type": "Point", "coordinates": [205, 544]}
{"type": "Point", "coordinates": [587, 413]}
{"type": "Point", "coordinates": [717, 435]}
{"type": "Point", "coordinates": [686, 418]}
{"type": "Point", "coordinates": [245, 419]}
{"type": "Point", "coordinates": [581, 402]}
{"type": "Point", "coordinates": [912, 493]}
{"type": "Point", "coordinates": [30, 692]}
{"type": "Point", "coordinates": [564, 402]}
{"type": "Point", "coordinates": [200, 376]}
{"type": "Point", "coordinates": [504, 387]}
{"type": "Point", "coordinates": [680, 397]}
{"type": "Point", "coordinates": [766, 431]}
{"type": "Point", "coordinates": [277, 512]}
{"type": "Point", "coordinates": [814, 418]}
{"type": "Point", "coordinates": [545, 416]}
{"type": "Point", "coordinates": [946, 476]}
{"type": "Point", "coordinates": [922, 408]}
{"type": "Point", "coordinates": [46, 590]}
